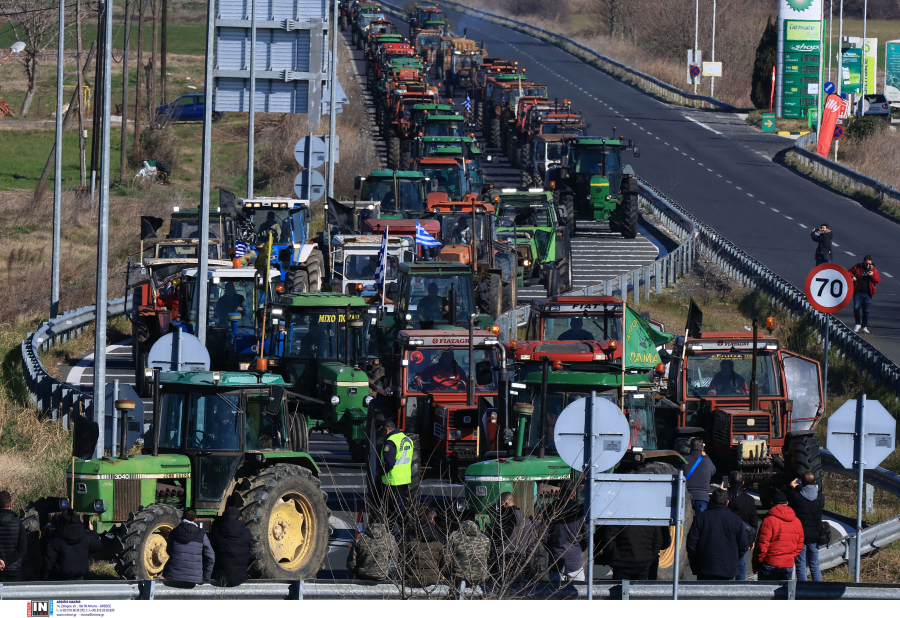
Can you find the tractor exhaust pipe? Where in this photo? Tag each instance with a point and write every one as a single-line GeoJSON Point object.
{"type": "Point", "coordinates": [503, 394]}
{"type": "Point", "coordinates": [451, 298]}
{"type": "Point", "coordinates": [754, 387]}
{"type": "Point", "coordinates": [545, 373]}
{"type": "Point", "coordinates": [470, 384]}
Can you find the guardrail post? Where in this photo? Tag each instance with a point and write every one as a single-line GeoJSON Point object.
{"type": "Point", "coordinates": [636, 286]}
{"type": "Point", "coordinates": [646, 270]}
{"type": "Point", "coordinates": [657, 271]}
{"type": "Point", "coordinates": [607, 287]}
{"type": "Point", "coordinates": [623, 286]}
{"type": "Point", "coordinates": [146, 589]}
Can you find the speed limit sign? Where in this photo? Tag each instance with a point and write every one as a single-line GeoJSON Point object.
{"type": "Point", "coordinates": [829, 288]}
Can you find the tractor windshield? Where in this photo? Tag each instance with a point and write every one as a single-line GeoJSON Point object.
{"type": "Point", "coordinates": [561, 128]}
{"type": "Point", "coordinates": [456, 229]}
{"type": "Point", "coordinates": [185, 227]}
{"type": "Point", "coordinates": [448, 176]}
{"type": "Point", "coordinates": [533, 215]}
{"type": "Point", "coordinates": [412, 194]}
{"type": "Point", "coordinates": [365, 266]}
{"type": "Point", "coordinates": [727, 374]}
{"type": "Point", "coordinates": [435, 370]}
{"type": "Point", "coordinates": [594, 326]}
{"type": "Point", "coordinates": [445, 128]}
{"type": "Point", "coordinates": [274, 221]}
{"type": "Point", "coordinates": [320, 333]}
{"type": "Point", "coordinates": [229, 296]}
{"type": "Point", "coordinates": [165, 251]}
{"type": "Point", "coordinates": [428, 40]}
{"type": "Point", "coordinates": [429, 299]}
{"type": "Point", "coordinates": [212, 422]}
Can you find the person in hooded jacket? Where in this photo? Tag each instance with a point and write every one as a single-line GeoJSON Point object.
{"type": "Point", "coordinates": [231, 541]}
{"type": "Point", "coordinates": [631, 550]}
{"type": "Point", "coordinates": [744, 506]}
{"type": "Point", "coordinates": [426, 549]}
{"type": "Point", "coordinates": [512, 537]}
{"type": "Point", "coordinates": [67, 555]}
{"type": "Point", "coordinates": [13, 541]}
{"type": "Point", "coordinates": [716, 540]}
{"type": "Point", "coordinates": [779, 541]}
{"type": "Point", "coordinates": [372, 553]}
{"type": "Point", "coordinates": [567, 536]}
{"type": "Point", "coordinates": [468, 554]}
{"type": "Point", "coordinates": [807, 502]}
{"type": "Point", "coordinates": [191, 556]}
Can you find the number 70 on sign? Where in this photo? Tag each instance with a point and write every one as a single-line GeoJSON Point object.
{"type": "Point", "coordinates": [829, 288]}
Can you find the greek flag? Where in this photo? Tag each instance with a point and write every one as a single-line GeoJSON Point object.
{"type": "Point", "coordinates": [425, 239]}
{"type": "Point", "coordinates": [468, 104]}
{"type": "Point", "coordinates": [381, 271]}
{"type": "Point", "coordinates": [240, 248]}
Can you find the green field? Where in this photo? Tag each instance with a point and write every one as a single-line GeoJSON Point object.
{"type": "Point", "coordinates": [183, 38]}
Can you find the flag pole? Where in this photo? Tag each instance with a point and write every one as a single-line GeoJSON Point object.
{"type": "Point", "coordinates": [384, 244]}
{"type": "Point", "coordinates": [624, 342]}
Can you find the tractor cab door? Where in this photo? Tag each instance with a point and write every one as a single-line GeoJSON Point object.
{"type": "Point", "coordinates": [214, 442]}
{"type": "Point", "coordinates": [803, 387]}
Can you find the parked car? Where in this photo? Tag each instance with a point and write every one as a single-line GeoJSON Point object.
{"type": "Point", "coordinates": [878, 106]}
{"type": "Point", "coordinates": [184, 108]}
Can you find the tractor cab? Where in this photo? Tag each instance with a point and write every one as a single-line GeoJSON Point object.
{"type": "Point", "coordinates": [318, 343]}
{"type": "Point", "coordinates": [444, 125]}
{"type": "Point", "coordinates": [575, 318]}
{"type": "Point", "coordinates": [185, 223]}
{"type": "Point", "coordinates": [401, 194]}
{"type": "Point", "coordinates": [355, 259]}
{"type": "Point", "coordinates": [449, 178]}
{"type": "Point", "coordinates": [744, 430]}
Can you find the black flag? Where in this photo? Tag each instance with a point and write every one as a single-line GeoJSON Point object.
{"type": "Point", "coordinates": [84, 437]}
{"type": "Point", "coordinates": [340, 215]}
{"type": "Point", "coordinates": [694, 320]}
{"type": "Point", "coordinates": [149, 226]}
{"type": "Point", "coordinates": [227, 203]}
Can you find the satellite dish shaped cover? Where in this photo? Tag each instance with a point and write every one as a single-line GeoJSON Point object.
{"type": "Point", "coordinates": [179, 351]}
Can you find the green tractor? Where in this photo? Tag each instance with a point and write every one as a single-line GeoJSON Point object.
{"type": "Point", "coordinates": [529, 220]}
{"type": "Point", "coordinates": [219, 440]}
{"type": "Point", "coordinates": [593, 183]}
{"type": "Point", "coordinates": [318, 344]}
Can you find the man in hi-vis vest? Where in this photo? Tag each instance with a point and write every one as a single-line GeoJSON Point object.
{"type": "Point", "coordinates": [396, 465]}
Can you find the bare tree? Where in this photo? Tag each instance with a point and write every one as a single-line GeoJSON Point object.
{"type": "Point", "coordinates": [612, 15]}
{"type": "Point", "coordinates": [35, 23]}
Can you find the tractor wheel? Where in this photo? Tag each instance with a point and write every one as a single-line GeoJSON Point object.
{"type": "Point", "coordinates": [567, 207]}
{"type": "Point", "coordinates": [524, 158]}
{"type": "Point", "coordinates": [512, 150]}
{"type": "Point", "coordinates": [353, 39]}
{"type": "Point", "coordinates": [479, 116]}
{"type": "Point", "coordinates": [509, 295]}
{"type": "Point", "coordinates": [343, 23]}
{"type": "Point", "coordinates": [565, 261]}
{"type": "Point", "coordinates": [667, 556]}
{"type": "Point", "coordinates": [801, 455]}
{"type": "Point", "coordinates": [629, 205]}
{"type": "Point", "coordinates": [525, 180]}
{"type": "Point", "coordinates": [537, 180]}
{"type": "Point", "coordinates": [394, 153]}
{"type": "Point", "coordinates": [495, 295]}
{"type": "Point", "coordinates": [140, 545]}
{"type": "Point", "coordinates": [406, 159]}
{"type": "Point", "coordinates": [286, 514]}
{"type": "Point", "coordinates": [297, 282]}
{"type": "Point", "coordinates": [554, 282]}
{"type": "Point", "coordinates": [314, 270]}
{"type": "Point", "coordinates": [495, 140]}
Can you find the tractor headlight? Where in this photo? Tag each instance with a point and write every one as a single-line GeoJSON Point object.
{"type": "Point", "coordinates": [368, 399]}
{"type": "Point", "coordinates": [244, 366]}
{"type": "Point", "coordinates": [99, 506]}
{"type": "Point", "coordinates": [64, 504]}
{"type": "Point", "coordinates": [455, 434]}
{"type": "Point", "coordinates": [736, 438]}
{"type": "Point", "coordinates": [461, 505]}
{"type": "Point", "coordinates": [335, 400]}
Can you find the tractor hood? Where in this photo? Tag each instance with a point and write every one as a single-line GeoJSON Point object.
{"type": "Point", "coordinates": [486, 480]}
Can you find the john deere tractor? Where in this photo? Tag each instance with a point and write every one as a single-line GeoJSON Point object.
{"type": "Point", "coordinates": [595, 185]}
{"type": "Point", "coordinates": [220, 440]}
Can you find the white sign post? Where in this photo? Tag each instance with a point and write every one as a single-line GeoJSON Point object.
{"type": "Point", "coordinates": [829, 288]}
{"type": "Point", "coordinates": [861, 434]}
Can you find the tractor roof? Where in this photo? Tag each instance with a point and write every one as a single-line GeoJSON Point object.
{"type": "Point", "coordinates": [724, 342]}
{"type": "Point", "coordinates": [449, 268]}
{"type": "Point", "coordinates": [438, 161]}
{"type": "Point", "coordinates": [593, 141]}
{"type": "Point", "coordinates": [564, 351]}
{"type": "Point", "coordinates": [454, 207]}
{"type": "Point", "coordinates": [575, 304]}
{"type": "Point", "coordinates": [526, 198]}
{"type": "Point", "coordinates": [400, 174]}
{"type": "Point", "coordinates": [400, 227]}
{"type": "Point", "coordinates": [368, 241]}
{"type": "Point", "coordinates": [226, 378]}
{"type": "Point", "coordinates": [443, 338]}
{"type": "Point", "coordinates": [433, 106]}
{"type": "Point", "coordinates": [447, 139]}
{"type": "Point", "coordinates": [563, 377]}
{"type": "Point", "coordinates": [552, 137]}
{"type": "Point", "coordinates": [321, 299]}
{"type": "Point", "coordinates": [446, 117]}
{"type": "Point", "coordinates": [528, 468]}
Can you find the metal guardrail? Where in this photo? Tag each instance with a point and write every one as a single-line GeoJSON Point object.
{"type": "Point", "coordinates": [149, 590]}
{"type": "Point", "coordinates": [836, 172]}
{"type": "Point", "coordinates": [644, 81]}
{"type": "Point", "coordinates": [49, 394]}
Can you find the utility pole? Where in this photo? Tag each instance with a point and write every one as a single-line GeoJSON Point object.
{"type": "Point", "coordinates": [696, 26]}
{"type": "Point", "coordinates": [81, 159]}
{"type": "Point", "coordinates": [251, 146]}
{"type": "Point", "coordinates": [162, 51]}
{"type": "Point", "coordinates": [819, 99]}
{"type": "Point", "coordinates": [830, 35]}
{"type": "Point", "coordinates": [103, 238]}
{"type": "Point", "coordinates": [128, 11]}
{"type": "Point", "coordinates": [712, 80]}
{"type": "Point", "coordinates": [151, 74]}
{"type": "Point", "coordinates": [332, 99]}
{"type": "Point", "coordinates": [862, 96]}
{"type": "Point", "coordinates": [98, 101]}
{"type": "Point", "coordinates": [205, 166]}
{"type": "Point", "coordinates": [140, 68]}
{"type": "Point", "coordinates": [57, 174]}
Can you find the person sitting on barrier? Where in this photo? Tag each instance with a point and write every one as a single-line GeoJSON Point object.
{"type": "Point", "coordinates": [425, 549]}
{"type": "Point", "coordinates": [231, 542]}
{"type": "Point", "coordinates": [576, 332]}
{"type": "Point", "coordinates": [468, 554]}
{"type": "Point", "coordinates": [512, 537]}
{"type": "Point", "coordinates": [372, 553]}
{"type": "Point", "coordinates": [727, 381]}
{"type": "Point", "coordinates": [191, 556]}
{"type": "Point", "coordinates": [67, 555]}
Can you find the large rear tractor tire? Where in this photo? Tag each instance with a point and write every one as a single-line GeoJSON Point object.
{"type": "Point", "coordinates": [479, 116]}
{"type": "Point", "coordinates": [495, 138]}
{"type": "Point", "coordinates": [495, 295]}
{"type": "Point", "coordinates": [343, 22]}
{"type": "Point", "coordinates": [509, 295]}
{"type": "Point", "coordinates": [801, 455]}
{"type": "Point", "coordinates": [524, 158]}
{"type": "Point", "coordinates": [629, 205]}
{"type": "Point", "coordinates": [287, 517]}
{"type": "Point", "coordinates": [140, 545]}
{"type": "Point", "coordinates": [297, 282]}
{"type": "Point", "coordinates": [394, 153]}
{"type": "Point", "coordinates": [554, 282]}
{"type": "Point", "coordinates": [525, 181]}
{"type": "Point", "coordinates": [567, 207]}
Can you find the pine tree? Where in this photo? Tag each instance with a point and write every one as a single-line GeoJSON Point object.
{"type": "Point", "coordinates": [766, 57]}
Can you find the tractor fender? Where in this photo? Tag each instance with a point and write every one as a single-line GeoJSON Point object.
{"type": "Point", "coordinates": [436, 197]}
{"type": "Point", "coordinates": [302, 254]}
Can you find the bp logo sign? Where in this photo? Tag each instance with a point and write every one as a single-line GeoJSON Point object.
{"type": "Point", "coordinates": [800, 5]}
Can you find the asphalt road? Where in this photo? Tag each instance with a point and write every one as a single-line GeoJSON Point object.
{"type": "Point", "coordinates": [721, 170]}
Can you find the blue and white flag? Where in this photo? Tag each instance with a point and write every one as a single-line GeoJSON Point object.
{"type": "Point", "coordinates": [425, 239]}
{"type": "Point", "coordinates": [240, 248]}
{"type": "Point", "coordinates": [468, 104]}
{"type": "Point", "coordinates": [381, 271]}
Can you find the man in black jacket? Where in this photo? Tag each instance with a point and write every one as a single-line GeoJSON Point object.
{"type": "Point", "coordinates": [744, 506]}
{"type": "Point", "coordinates": [716, 541]}
{"type": "Point", "coordinates": [13, 541]}
{"type": "Point", "coordinates": [191, 557]}
{"type": "Point", "coordinates": [512, 538]}
{"type": "Point", "coordinates": [230, 541]}
{"type": "Point", "coordinates": [698, 475]}
{"type": "Point", "coordinates": [630, 550]}
{"type": "Point", "coordinates": [566, 536]}
{"type": "Point", "coordinates": [67, 555]}
{"type": "Point", "coordinates": [822, 237]}
{"type": "Point", "coordinates": [808, 502]}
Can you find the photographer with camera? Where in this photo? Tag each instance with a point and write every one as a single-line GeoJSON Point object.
{"type": "Point", "coordinates": [865, 280]}
{"type": "Point", "coordinates": [822, 236]}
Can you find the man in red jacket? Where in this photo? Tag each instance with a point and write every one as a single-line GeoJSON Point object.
{"type": "Point", "coordinates": [779, 541]}
{"type": "Point", "coordinates": [865, 279]}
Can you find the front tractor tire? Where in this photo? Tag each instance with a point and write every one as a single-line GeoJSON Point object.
{"type": "Point", "coordinates": [286, 514]}
{"type": "Point", "coordinates": [140, 545]}
{"type": "Point", "coordinates": [297, 282]}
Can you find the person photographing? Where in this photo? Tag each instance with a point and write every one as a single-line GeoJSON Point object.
{"type": "Point", "coordinates": [822, 237]}
{"type": "Point", "coordinates": [865, 280]}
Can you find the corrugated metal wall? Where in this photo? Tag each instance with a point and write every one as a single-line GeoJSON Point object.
{"type": "Point", "coordinates": [233, 95]}
{"type": "Point", "coordinates": [274, 9]}
{"type": "Point", "coordinates": [276, 50]}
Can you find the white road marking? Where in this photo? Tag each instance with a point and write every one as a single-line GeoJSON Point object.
{"type": "Point", "coordinates": [787, 217]}
{"type": "Point", "coordinates": [887, 274]}
{"type": "Point", "coordinates": [762, 202]}
{"type": "Point", "coordinates": [850, 254]}
{"type": "Point", "coordinates": [750, 194]}
{"type": "Point", "coordinates": [801, 225]}
{"type": "Point", "coordinates": [835, 244]}
{"type": "Point", "coordinates": [708, 170]}
{"type": "Point", "coordinates": [774, 209]}
{"type": "Point", "coordinates": [738, 188]}
{"type": "Point", "coordinates": [729, 182]}
{"type": "Point", "coordinates": [719, 175]}
{"type": "Point", "coordinates": [707, 127]}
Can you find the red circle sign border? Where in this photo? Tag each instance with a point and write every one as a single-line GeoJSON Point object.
{"type": "Point", "coordinates": [848, 279]}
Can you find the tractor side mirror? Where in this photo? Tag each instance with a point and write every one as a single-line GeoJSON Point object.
{"type": "Point", "coordinates": [357, 183]}
{"type": "Point", "coordinates": [433, 184]}
{"type": "Point", "coordinates": [393, 289]}
{"type": "Point", "coordinates": [276, 396]}
{"type": "Point", "coordinates": [637, 152]}
{"type": "Point", "coordinates": [484, 373]}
